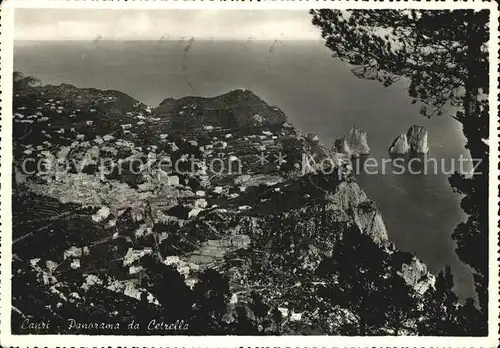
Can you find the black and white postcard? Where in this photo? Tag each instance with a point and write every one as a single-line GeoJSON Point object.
{"type": "Point", "coordinates": [282, 171]}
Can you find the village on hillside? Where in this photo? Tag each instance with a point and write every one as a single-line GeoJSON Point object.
{"type": "Point", "coordinates": [107, 189]}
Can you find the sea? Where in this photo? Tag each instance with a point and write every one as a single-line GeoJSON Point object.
{"type": "Point", "coordinates": [318, 93]}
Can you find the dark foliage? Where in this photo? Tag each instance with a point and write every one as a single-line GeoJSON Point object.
{"type": "Point", "coordinates": [444, 55]}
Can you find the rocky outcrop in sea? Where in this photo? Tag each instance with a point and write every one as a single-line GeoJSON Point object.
{"type": "Point", "coordinates": [413, 141]}
{"type": "Point", "coordinates": [354, 143]}
{"type": "Point", "coordinates": [400, 145]}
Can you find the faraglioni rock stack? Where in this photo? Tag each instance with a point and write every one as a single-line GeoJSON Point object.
{"type": "Point", "coordinates": [414, 141]}
{"type": "Point", "coordinates": [354, 143]}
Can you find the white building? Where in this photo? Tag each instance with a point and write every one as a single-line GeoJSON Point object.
{"type": "Point", "coordinates": [201, 203]}
{"type": "Point", "coordinates": [102, 214]}
{"type": "Point", "coordinates": [173, 180]}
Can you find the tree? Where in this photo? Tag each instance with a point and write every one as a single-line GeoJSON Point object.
{"type": "Point", "coordinates": [211, 296]}
{"type": "Point", "coordinates": [168, 286]}
{"type": "Point", "coordinates": [443, 315]}
{"type": "Point", "coordinates": [362, 278]}
{"type": "Point", "coordinates": [444, 56]}
{"type": "Point", "coordinates": [22, 83]}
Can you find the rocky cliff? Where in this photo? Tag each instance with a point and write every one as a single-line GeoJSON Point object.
{"type": "Point", "coordinates": [350, 202]}
{"type": "Point", "coordinates": [416, 274]}
{"type": "Point", "coordinates": [354, 143]}
{"type": "Point", "coordinates": [414, 141]}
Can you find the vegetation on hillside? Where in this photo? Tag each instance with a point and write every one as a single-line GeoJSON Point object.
{"type": "Point", "coordinates": [285, 254]}
{"type": "Point", "coordinates": [444, 56]}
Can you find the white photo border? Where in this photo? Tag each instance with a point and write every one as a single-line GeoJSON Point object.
{"type": "Point", "coordinates": [7, 14]}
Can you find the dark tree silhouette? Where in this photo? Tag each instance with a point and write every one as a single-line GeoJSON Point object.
{"type": "Point", "coordinates": [363, 278]}
{"type": "Point", "coordinates": [444, 56]}
{"type": "Point", "coordinates": [211, 296]}
{"type": "Point", "coordinates": [168, 286]}
{"type": "Point", "coordinates": [22, 82]}
{"type": "Point", "coordinates": [442, 315]}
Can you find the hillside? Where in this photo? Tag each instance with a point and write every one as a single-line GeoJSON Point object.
{"type": "Point", "coordinates": [127, 192]}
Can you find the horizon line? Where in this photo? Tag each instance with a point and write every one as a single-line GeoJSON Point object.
{"type": "Point", "coordinates": [169, 39]}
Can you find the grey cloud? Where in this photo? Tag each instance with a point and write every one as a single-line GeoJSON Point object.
{"type": "Point", "coordinates": [45, 24]}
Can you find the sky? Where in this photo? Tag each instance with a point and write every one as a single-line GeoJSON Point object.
{"type": "Point", "coordinates": [67, 24]}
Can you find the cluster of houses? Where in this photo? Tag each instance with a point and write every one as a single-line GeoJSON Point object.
{"type": "Point", "coordinates": [155, 199]}
{"type": "Point", "coordinates": [223, 144]}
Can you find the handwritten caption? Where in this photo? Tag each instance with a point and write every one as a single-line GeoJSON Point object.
{"type": "Point", "coordinates": [75, 325]}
